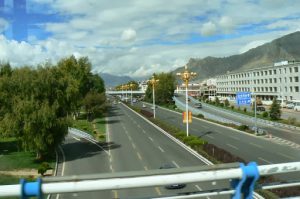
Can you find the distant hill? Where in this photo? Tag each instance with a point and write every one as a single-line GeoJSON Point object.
{"type": "Point", "coordinates": [114, 80]}
{"type": "Point", "coordinates": [284, 48]}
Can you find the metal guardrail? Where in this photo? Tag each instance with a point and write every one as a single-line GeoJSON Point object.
{"type": "Point", "coordinates": [196, 111]}
{"type": "Point", "coordinates": [80, 133]}
{"type": "Point", "coordinates": [243, 180]}
{"type": "Point", "coordinates": [262, 121]}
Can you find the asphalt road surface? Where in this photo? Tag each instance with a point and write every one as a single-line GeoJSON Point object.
{"type": "Point", "coordinates": [248, 147]}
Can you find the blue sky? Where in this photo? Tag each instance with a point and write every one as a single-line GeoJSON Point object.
{"type": "Point", "coordinates": [137, 38]}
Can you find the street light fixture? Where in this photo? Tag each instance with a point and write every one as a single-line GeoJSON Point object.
{"type": "Point", "coordinates": [153, 81]}
{"type": "Point", "coordinates": [131, 86]}
{"type": "Point", "coordinates": [186, 76]}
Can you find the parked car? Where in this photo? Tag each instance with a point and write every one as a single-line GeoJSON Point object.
{"type": "Point", "coordinates": [198, 105]}
{"type": "Point", "coordinates": [297, 105]}
{"type": "Point", "coordinates": [260, 131]}
{"type": "Point", "coordinates": [290, 105]}
{"type": "Point", "coordinates": [172, 186]}
{"type": "Point", "coordinates": [260, 108]}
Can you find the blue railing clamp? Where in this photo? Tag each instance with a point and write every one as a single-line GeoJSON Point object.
{"type": "Point", "coordinates": [245, 186]}
{"type": "Point", "coordinates": [29, 189]}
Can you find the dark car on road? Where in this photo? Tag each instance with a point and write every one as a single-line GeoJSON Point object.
{"type": "Point", "coordinates": [198, 105]}
{"type": "Point", "coordinates": [172, 186]}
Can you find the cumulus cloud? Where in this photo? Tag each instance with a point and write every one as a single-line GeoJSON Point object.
{"type": "Point", "coordinates": [3, 25]}
{"type": "Point", "coordinates": [128, 35]}
{"type": "Point", "coordinates": [208, 29]}
{"type": "Point", "coordinates": [226, 24]}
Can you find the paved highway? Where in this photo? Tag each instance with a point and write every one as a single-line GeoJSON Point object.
{"type": "Point", "coordinates": [291, 135]}
{"type": "Point", "coordinates": [246, 146]}
{"type": "Point", "coordinates": [135, 145]}
{"type": "Point", "coordinates": [143, 147]}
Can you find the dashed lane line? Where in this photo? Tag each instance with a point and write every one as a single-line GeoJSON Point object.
{"type": "Point", "coordinates": [158, 191]}
{"type": "Point", "coordinates": [256, 145]}
{"type": "Point", "coordinates": [230, 145]}
{"type": "Point", "coordinates": [284, 155]}
{"type": "Point", "coordinates": [211, 137]}
{"type": "Point", "coordinates": [175, 164]}
{"type": "Point", "coordinates": [150, 138]}
{"type": "Point", "coordinates": [199, 188]}
{"type": "Point", "coordinates": [133, 145]}
{"type": "Point", "coordinates": [139, 155]}
{"type": "Point", "coordinates": [264, 160]}
{"type": "Point", "coordinates": [161, 149]}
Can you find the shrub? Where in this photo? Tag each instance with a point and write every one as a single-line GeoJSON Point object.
{"type": "Point", "coordinates": [291, 120]}
{"type": "Point", "coordinates": [239, 108]}
{"type": "Point", "coordinates": [243, 127]}
{"type": "Point", "coordinates": [221, 104]}
{"type": "Point", "coordinates": [43, 168]}
{"type": "Point", "coordinates": [200, 115]}
{"type": "Point", "coordinates": [245, 109]}
{"type": "Point", "coordinates": [226, 103]}
{"type": "Point", "coordinates": [265, 114]}
{"type": "Point", "coordinates": [232, 107]}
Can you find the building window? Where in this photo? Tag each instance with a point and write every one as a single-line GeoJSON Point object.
{"type": "Point", "coordinates": [274, 71]}
{"type": "Point", "coordinates": [284, 70]}
{"type": "Point", "coordinates": [270, 72]}
{"type": "Point", "coordinates": [270, 80]}
{"type": "Point", "coordinates": [257, 73]}
{"type": "Point", "coordinates": [291, 89]}
{"type": "Point", "coordinates": [266, 88]}
{"type": "Point", "coordinates": [262, 81]}
{"type": "Point", "coordinates": [261, 73]}
{"type": "Point", "coordinates": [258, 81]}
{"type": "Point", "coordinates": [285, 88]}
{"type": "Point", "coordinates": [254, 81]}
{"type": "Point", "coordinates": [296, 79]}
{"type": "Point", "coordinates": [262, 89]}
{"type": "Point", "coordinates": [297, 89]}
{"type": "Point", "coordinates": [285, 79]}
{"type": "Point", "coordinates": [266, 72]}
{"type": "Point", "coordinates": [280, 80]}
{"type": "Point", "coordinates": [280, 71]}
{"type": "Point", "coordinates": [291, 70]}
{"type": "Point", "coordinates": [270, 89]}
{"type": "Point", "coordinates": [291, 79]}
{"type": "Point", "coordinates": [266, 81]}
{"type": "Point", "coordinates": [258, 89]}
{"type": "Point", "coordinates": [296, 69]}
{"type": "Point", "coordinates": [275, 89]}
{"type": "Point", "coordinates": [275, 80]}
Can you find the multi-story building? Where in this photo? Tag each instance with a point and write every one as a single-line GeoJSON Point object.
{"type": "Point", "coordinates": [279, 81]}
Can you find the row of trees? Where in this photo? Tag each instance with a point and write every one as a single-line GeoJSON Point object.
{"type": "Point", "coordinates": [35, 103]}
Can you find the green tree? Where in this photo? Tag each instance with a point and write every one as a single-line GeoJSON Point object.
{"type": "Point", "coordinates": [164, 89]}
{"type": "Point", "coordinates": [226, 103]}
{"type": "Point", "coordinates": [94, 104]}
{"type": "Point", "coordinates": [275, 112]}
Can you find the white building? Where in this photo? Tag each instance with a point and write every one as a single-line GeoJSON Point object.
{"type": "Point", "coordinates": [279, 81]}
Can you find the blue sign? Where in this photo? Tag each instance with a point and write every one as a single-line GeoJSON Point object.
{"type": "Point", "coordinates": [243, 98]}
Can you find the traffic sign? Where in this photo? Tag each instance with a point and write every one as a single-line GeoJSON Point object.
{"type": "Point", "coordinates": [243, 98]}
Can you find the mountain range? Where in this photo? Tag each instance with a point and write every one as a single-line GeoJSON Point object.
{"type": "Point", "coordinates": [284, 48]}
{"type": "Point", "coordinates": [114, 80]}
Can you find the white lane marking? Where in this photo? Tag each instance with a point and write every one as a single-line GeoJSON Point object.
{"type": "Point", "coordinates": [133, 145]}
{"type": "Point", "coordinates": [265, 160]}
{"type": "Point", "coordinates": [63, 166]}
{"type": "Point", "coordinates": [230, 145]}
{"type": "Point", "coordinates": [175, 164]}
{"type": "Point", "coordinates": [258, 146]}
{"type": "Point", "coordinates": [210, 136]}
{"type": "Point", "coordinates": [76, 138]}
{"type": "Point", "coordinates": [284, 155]}
{"type": "Point", "coordinates": [144, 131]}
{"type": "Point", "coordinates": [199, 188]}
{"type": "Point", "coordinates": [151, 138]}
{"type": "Point", "coordinates": [236, 138]}
{"type": "Point", "coordinates": [129, 137]}
{"type": "Point", "coordinates": [138, 126]}
{"type": "Point", "coordinates": [139, 155]}
{"type": "Point", "coordinates": [161, 149]}
{"type": "Point", "coordinates": [146, 168]}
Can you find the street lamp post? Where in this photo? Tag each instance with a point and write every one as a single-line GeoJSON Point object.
{"type": "Point", "coordinates": [131, 85]}
{"type": "Point", "coordinates": [153, 81]}
{"type": "Point", "coordinates": [186, 76]}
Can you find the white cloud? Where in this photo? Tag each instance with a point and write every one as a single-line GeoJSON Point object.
{"type": "Point", "coordinates": [226, 23]}
{"type": "Point", "coordinates": [128, 35]}
{"type": "Point", "coordinates": [252, 44]}
{"type": "Point", "coordinates": [3, 25]}
{"type": "Point", "coordinates": [208, 29]}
